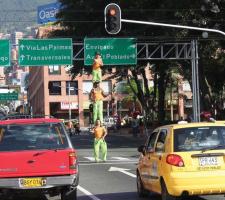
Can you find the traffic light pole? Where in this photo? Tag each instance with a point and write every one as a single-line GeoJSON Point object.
{"type": "Point", "coordinates": [173, 26]}
{"type": "Point", "coordinates": [194, 61]}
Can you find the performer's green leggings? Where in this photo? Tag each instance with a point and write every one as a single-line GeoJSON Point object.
{"type": "Point", "coordinates": [96, 75]}
{"type": "Point", "coordinates": [100, 145]}
{"type": "Point", "coordinates": [98, 111]}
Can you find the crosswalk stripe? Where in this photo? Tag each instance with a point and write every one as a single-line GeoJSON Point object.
{"type": "Point", "coordinates": [108, 162]}
{"type": "Point", "coordinates": [120, 158]}
{"type": "Point", "coordinates": [112, 159]}
{"type": "Point", "coordinates": [90, 158]}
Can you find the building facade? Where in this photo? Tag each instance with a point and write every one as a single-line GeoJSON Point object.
{"type": "Point", "coordinates": [49, 93]}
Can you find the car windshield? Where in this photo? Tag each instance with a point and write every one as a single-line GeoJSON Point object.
{"type": "Point", "coordinates": [32, 137]}
{"type": "Point", "coordinates": [199, 138]}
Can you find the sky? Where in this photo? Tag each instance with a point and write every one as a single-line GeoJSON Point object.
{"type": "Point", "coordinates": [16, 15]}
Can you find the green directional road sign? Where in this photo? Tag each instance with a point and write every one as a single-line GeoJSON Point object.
{"type": "Point", "coordinates": [8, 96]}
{"type": "Point", "coordinates": [40, 52]}
{"type": "Point", "coordinates": [114, 51]}
{"type": "Point", "coordinates": [4, 53]}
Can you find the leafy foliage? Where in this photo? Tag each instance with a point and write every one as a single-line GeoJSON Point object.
{"type": "Point", "coordinates": [83, 18]}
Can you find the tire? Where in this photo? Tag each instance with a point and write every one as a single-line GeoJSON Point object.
{"type": "Point", "coordinates": [164, 193]}
{"type": "Point", "coordinates": [142, 192]}
{"type": "Point", "coordinates": [69, 195]}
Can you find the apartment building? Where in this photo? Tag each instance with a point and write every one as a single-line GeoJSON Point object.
{"type": "Point", "coordinates": [49, 93]}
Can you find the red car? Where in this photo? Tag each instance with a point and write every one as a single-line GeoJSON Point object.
{"type": "Point", "coordinates": [36, 155]}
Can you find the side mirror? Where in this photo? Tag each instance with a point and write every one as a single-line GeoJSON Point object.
{"type": "Point", "coordinates": [142, 149]}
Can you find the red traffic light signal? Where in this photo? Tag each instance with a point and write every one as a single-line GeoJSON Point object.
{"type": "Point", "coordinates": [112, 12]}
{"type": "Point", "coordinates": [112, 18]}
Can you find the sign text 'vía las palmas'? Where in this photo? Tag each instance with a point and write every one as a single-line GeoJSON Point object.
{"type": "Point", "coordinates": [40, 52]}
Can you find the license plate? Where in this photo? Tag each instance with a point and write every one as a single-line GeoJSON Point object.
{"type": "Point", "coordinates": [208, 161]}
{"type": "Point", "coordinates": [32, 182]}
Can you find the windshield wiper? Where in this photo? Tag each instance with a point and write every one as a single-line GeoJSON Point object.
{"type": "Point", "coordinates": [212, 148]}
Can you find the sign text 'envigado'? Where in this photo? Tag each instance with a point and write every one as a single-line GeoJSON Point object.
{"type": "Point", "coordinates": [114, 51]}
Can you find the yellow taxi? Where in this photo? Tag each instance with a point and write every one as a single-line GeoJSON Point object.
{"type": "Point", "coordinates": [183, 160]}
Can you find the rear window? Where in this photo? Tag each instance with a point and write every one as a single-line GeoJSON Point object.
{"type": "Point", "coordinates": [32, 137]}
{"type": "Point", "coordinates": [199, 138]}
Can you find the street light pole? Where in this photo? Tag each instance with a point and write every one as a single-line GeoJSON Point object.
{"type": "Point", "coordinates": [69, 104]}
{"type": "Point", "coordinates": [173, 26]}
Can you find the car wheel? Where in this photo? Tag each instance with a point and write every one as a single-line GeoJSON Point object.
{"type": "Point", "coordinates": [142, 192]}
{"type": "Point", "coordinates": [69, 195]}
{"type": "Point", "coordinates": [164, 193]}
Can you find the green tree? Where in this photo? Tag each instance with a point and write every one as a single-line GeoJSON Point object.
{"type": "Point", "coordinates": [83, 18]}
{"type": "Point", "coordinates": [208, 14]}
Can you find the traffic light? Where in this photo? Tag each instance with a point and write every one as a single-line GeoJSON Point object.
{"type": "Point", "coordinates": [112, 18]}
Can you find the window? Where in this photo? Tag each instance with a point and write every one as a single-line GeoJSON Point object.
{"type": "Point", "coordinates": [105, 85]}
{"type": "Point", "coordinates": [88, 85]}
{"type": "Point", "coordinates": [199, 138]}
{"type": "Point", "coordinates": [54, 87]}
{"type": "Point", "coordinates": [73, 87]}
{"type": "Point", "coordinates": [161, 140]}
{"type": "Point", "coordinates": [32, 136]}
{"type": "Point", "coordinates": [54, 69]}
{"type": "Point", "coordinates": [151, 141]}
{"type": "Point", "coordinates": [121, 87]}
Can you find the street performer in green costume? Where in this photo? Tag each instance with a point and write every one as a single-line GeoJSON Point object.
{"type": "Point", "coordinates": [97, 95]}
{"type": "Point", "coordinates": [96, 68]}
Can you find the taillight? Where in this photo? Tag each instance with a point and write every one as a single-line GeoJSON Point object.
{"type": "Point", "coordinates": [175, 160]}
{"type": "Point", "coordinates": [72, 160]}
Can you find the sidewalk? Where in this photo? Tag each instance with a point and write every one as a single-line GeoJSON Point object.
{"type": "Point", "coordinates": [126, 132]}
{"type": "Point", "coordinates": [121, 132]}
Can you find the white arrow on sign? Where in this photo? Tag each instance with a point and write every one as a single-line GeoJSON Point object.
{"type": "Point", "coordinates": [122, 170]}
{"type": "Point", "coordinates": [22, 47]}
{"type": "Point", "coordinates": [22, 57]}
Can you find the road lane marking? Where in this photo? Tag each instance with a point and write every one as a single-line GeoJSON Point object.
{"type": "Point", "coordinates": [107, 163]}
{"type": "Point", "coordinates": [90, 158]}
{"type": "Point", "coordinates": [89, 194]}
{"type": "Point", "coordinates": [120, 158]}
{"type": "Point", "coordinates": [122, 170]}
{"type": "Point", "coordinates": [110, 160]}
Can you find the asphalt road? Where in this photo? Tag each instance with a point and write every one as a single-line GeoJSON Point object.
{"type": "Point", "coordinates": [114, 179]}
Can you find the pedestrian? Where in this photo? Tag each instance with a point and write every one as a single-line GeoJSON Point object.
{"type": "Point", "coordinates": [97, 95]}
{"type": "Point", "coordinates": [96, 68]}
{"type": "Point", "coordinates": [99, 141]}
{"type": "Point", "coordinates": [70, 128]}
{"type": "Point", "coordinates": [205, 116]}
{"type": "Point", "coordinates": [135, 125]}
{"type": "Point", "coordinates": [77, 129]}
{"type": "Point", "coordinates": [141, 127]}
